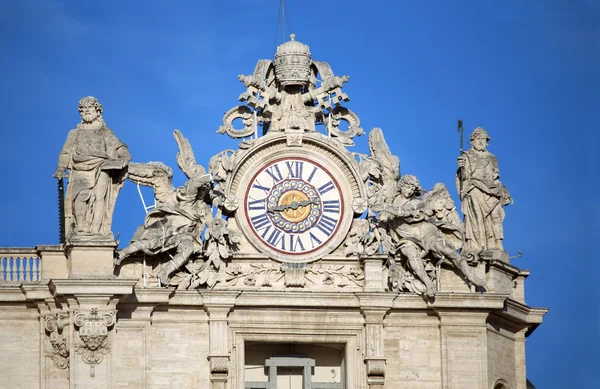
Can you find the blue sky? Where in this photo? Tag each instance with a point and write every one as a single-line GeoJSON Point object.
{"type": "Point", "coordinates": [524, 70]}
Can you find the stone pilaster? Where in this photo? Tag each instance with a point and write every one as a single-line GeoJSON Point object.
{"type": "Point", "coordinates": [54, 337]}
{"type": "Point", "coordinates": [374, 307]}
{"type": "Point", "coordinates": [218, 304]}
{"type": "Point", "coordinates": [131, 365]}
{"type": "Point", "coordinates": [464, 348]}
{"type": "Point", "coordinates": [520, 361]}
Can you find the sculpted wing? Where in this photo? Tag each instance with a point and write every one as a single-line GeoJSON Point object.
{"type": "Point", "coordinates": [441, 211]}
{"type": "Point", "coordinates": [156, 175]}
{"type": "Point", "coordinates": [389, 164]}
{"type": "Point", "coordinates": [185, 157]}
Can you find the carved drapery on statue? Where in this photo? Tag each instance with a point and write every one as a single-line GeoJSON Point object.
{"type": "Point", "coordinates": [483, 198]}
{"type": "Point", "coordinates": [97, 163]}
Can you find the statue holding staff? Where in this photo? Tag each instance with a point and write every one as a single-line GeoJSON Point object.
{"type": "Point", "coordinates": [483, 196]}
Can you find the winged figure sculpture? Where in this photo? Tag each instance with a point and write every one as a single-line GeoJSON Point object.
{"type": "Point", "coordinates": [180, 215]}
{"type": "Point", "coordinates": [419, 228]}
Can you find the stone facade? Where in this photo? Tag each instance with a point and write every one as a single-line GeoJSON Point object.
{"type": "Point", "coordinates": [287, 263]}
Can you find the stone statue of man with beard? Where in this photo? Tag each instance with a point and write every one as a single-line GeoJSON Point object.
{"type": "Point", "coordinates": [483, 198]}
{"type": "Point", "coordinates": [97, 163]}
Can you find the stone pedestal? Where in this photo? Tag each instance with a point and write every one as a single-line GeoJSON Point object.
{"type": "Point", "coordinates": [54, 261]}
{"type": "Point", "coordinates": [90, 258]}
{"type": "Point", "coordinates": [373, 270]}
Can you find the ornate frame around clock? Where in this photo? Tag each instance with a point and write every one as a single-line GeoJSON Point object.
{"type": "Point", "coordinates": [318, 149]}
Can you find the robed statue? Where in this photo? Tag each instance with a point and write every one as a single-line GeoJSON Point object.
{"type": "Point", "coordinates": [96, 161]}
{"type": "Point", "coordinates": [483, 196]}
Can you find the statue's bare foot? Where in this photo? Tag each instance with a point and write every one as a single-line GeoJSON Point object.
{"type": "Point", "coordinates": [477, 281]}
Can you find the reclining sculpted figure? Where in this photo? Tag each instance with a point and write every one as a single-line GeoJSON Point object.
{"type": "Point", "coordinates": [180, 215]}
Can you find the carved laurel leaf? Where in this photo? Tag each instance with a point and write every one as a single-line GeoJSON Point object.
{"type": "Point", "coordinates": [179, 277]}
{"type": "Point", "coordinates": [224, 251]}
{"type": "Point", "coordinates": [227, 162]}
{"type": "Point", "coordinates": [203, 276]}
{"type": "Point", "coordinates": [212, 279]}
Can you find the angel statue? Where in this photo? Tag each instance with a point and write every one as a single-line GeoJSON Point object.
{"type": "Point", "coordinates": [180, 215]}
{"type": "Point", "coordinates": [419, 225]}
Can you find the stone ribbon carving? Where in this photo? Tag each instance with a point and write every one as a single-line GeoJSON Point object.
{"type": "Point", "coordinates": [97, 163]}
{"type": "Point", "coordinates": [92, 336]}
{"type": "Point", "coordinates": [57, 341]}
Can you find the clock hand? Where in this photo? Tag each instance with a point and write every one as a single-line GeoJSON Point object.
{"type": "Point", "coordinates": [294, 205]}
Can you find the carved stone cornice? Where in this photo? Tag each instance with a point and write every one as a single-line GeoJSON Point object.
{"type": "Point", "coordinates": [11, 292]}
{"type": "Point", "coordinates": [91, 287]}
{"type": "Point", "coordinates": [517, 316]}
{"type": "Point", "coordinates": [36, 291]}
{"type": "Point", "coordinates": [484, 301]}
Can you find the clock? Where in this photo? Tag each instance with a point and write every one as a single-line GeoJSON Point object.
{"type": "Point", "coordinates": [294, 207]}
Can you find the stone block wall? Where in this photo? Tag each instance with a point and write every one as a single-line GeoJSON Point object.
{"type": "Point", "coordinates": [412, 350]}
{"type": "Point", "coordinates": [501, 358]}
{"type": "Point", "coordinates": [20, 347]}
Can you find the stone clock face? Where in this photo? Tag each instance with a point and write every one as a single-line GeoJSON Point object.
{"type": "Point", "coordinates": [294, 206]}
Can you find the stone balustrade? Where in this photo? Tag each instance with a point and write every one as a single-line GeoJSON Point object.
{"type": "Point", "coordinates": [20, 264]}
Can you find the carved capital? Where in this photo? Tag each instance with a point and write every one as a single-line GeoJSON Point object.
{"type": "Point", "coordinates": [92, 336]}
{"type": "Point", "coordinates": [57, 342]}
{"type": "Point", "coordinates": [376, 367]}
{"type": "Point", "coordinates": [219, 364]}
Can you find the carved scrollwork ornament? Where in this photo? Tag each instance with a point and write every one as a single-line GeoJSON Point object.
{"type": "Point", "coordinates": [332, 121]}
{"type": "Point", "coordinates": [240, 112]}
{"type": "Point", "coordinates": [92, 341]}
{"type": "Point", "coordinates": [57, 342]}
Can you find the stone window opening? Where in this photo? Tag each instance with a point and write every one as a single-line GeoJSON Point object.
{"type": "Point", "coordinates": [294, 366]}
